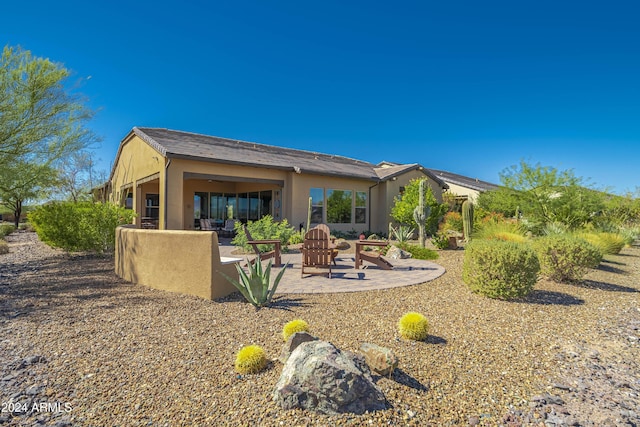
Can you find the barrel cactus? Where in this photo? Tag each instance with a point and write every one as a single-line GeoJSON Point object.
{"type": "Point", "coordinates": [297, 325]}
{"type": "Point", "coordinates": [413, 326]}
{"type": "Point", "coordinates": [250, 359]}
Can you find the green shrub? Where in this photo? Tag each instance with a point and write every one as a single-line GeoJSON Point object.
{"type": "Point", "coordinates": [4, 247]}
{"type": "Point", "coordinates": [80, 226]}
{"type": "Point", "coordinates": [27, 226]}
{"type": "Point", "coordinates": [452, 221]}
{"type": "Point", "coordinates": [6, 229]}
{"type": "Point", "coordinates": [418, 252]}
{"type": "Point", "coordinates": [250, 359]}
{"type": "Point", "coordinates": [565, 257]}
{"type": "Point", "coordinates": [264, 228]}
{"type": "Point", "coordinates": [608, 243]}
{"type": "Point", "coordinates": [440, 240]}
{"type": "Point", "coordinates": [504, 230]}
{"type": "Point", "coordinates": [413, 326]}
{"type": "Point", "coordinates": [498, 269]}
{"type": "Point", "coordinates": [296, 238]}
{"type": "Point", "coordinates": [296, 325]}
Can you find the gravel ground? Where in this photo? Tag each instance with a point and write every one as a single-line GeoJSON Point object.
{"type": "Point", "coordinates": [89, 349]}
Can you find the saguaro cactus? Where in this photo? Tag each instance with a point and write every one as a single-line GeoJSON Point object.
{"type": "Point", "coordinates": [467, 219]}
{"type": "Point", "coordinates": [421, 213]}
{"type": "Point", "coordinates": [309, 215]}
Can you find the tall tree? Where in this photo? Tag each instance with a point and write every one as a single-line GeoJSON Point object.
{"type": "Point", "coordinates": [42, 120]}
{"type": "Point", "coordinates": [39, 116]}
{"type": "Point", "coordinates": [22, 181]}
{"type": "Point", "coordinates": [545, 194]}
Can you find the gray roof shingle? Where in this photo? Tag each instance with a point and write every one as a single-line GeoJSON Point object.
{"type": "Point", "coordinates": [187, 145]}
{"type": "Point", "coordinates": [464, 181]}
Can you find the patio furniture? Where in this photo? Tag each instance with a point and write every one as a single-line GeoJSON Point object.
{"type": "Point", "coordinates": [335, 251]}
{"type": "Point", "coordinates": [316, 253]}
{"type": "Point", "coordinates": [229, 227]}
{"type": "Point", "coordinates": [262, 255]}
{"type": "Point", "coordinates": [373, 257]}
{"type": "Point", "coordinates": [205, 225]}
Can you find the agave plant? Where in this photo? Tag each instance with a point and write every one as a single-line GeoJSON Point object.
{"type": "Point", "coordinates": [255, 286]}
{"type": "Point", "coordinates": [402, 233]}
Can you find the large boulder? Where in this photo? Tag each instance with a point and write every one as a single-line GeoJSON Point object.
{"type": "Point", "coordinates": [293, 342]}
{"type": "Point", "coordinates": [320, 377]}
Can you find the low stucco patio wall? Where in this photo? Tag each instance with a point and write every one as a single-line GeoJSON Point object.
{"type": "Point", "coordinates": [187, 262]}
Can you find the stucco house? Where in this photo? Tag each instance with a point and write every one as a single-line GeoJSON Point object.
{"type": "Point", "coordinates": [173, 178]}
{"type": "Point", "coordinates": [462, 186]}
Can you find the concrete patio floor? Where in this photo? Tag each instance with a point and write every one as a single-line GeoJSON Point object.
{"type": "Point", "coordinates": [344, 276]}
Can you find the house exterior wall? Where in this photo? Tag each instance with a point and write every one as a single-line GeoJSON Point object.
{"type": "Point", "coordinates": [144, 170]}
{"type": "Point", "coordinates": [299, 197]}
{"type": "Point", "coordinates": [459, 190]}
{"type": "Point", "coordinates": [136, 161]}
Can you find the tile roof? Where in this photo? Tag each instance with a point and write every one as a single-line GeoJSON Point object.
{"type": "Point", "coordinates": [178, 144]}
{"type": "Point", "coordinates": [389, 170]}
{"type": "Point", "coordinates": [464, 181]}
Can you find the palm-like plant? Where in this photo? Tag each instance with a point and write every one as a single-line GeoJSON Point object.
{"type": "Point", "coordinates": [256, 286]}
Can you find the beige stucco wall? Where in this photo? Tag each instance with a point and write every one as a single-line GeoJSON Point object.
{"type": "Point", "coordinates": [187, 262]}
{"type": "Point", "coordinates": [302, 183]}
{"type": "Point", "coordinates": [136, 161]}
{"type": "Point", "coordinates": [459, 190]}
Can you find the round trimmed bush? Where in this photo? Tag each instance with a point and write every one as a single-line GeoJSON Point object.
{"type": "Point", "coordinates": [250, 359]}
{"type": "Point", "coordinates": [565, 257]}
{"type": "Point", "coordinates": [499, 269]}
{"type": "Point", "coordinates": [4, 247]}
{"type": "Point", "coordinates": [297, 325]}
{"type": "Point", "coordinates": [413, 326]}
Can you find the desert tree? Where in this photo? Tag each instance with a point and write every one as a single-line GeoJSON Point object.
{"type": "Point", "coordinates": [42, 121]}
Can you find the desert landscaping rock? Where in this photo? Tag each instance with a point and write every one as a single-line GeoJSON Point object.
{"type": "Point", "coordinates": [293, 342]}
{"type": "Point", "coordinates": [126, 355]}
{"type": "Point", "coordinates": [319, 377]}
{"type": "Point", "coordinates": [381, 360]}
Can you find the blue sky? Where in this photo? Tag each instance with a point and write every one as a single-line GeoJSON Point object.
{"type": "Point", "coordinates": [465, 86]}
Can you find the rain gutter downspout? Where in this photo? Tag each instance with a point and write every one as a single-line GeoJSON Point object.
{"type": "Point", "coordinates": [369, 210]}
{"type": "Point", "coordinates": [166, 192]}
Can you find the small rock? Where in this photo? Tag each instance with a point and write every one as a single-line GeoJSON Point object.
{"type": "Point", "coordinates": [395, 252]}
{"type": "Point", "coordinates": [474, 421]}
{"type": "Point", "coordinates": [380, 359]}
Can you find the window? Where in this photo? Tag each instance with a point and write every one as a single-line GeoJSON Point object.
{"type": "Point", "coordinates": [317, 204]}
{"type": "Point", "coordinates": [128, 201]}
{"type": "Point", "coordinates": [152, 206]}
{"type": "Point", "coordinates": [361, 207]}
{"type": "Point", "coordinates": [339, 205]}
{"type": "Point", "coordinates": [201, 205]}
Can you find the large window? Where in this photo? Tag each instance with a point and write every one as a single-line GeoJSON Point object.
{"type": "Point", "coordinates": [317, 204]}
{"type": "Point", "coordinates": [339, 204]}
{"type": "Point", "coordinates": [361, 207]}
{"type": "Point", "coordinates": [242, 206]}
